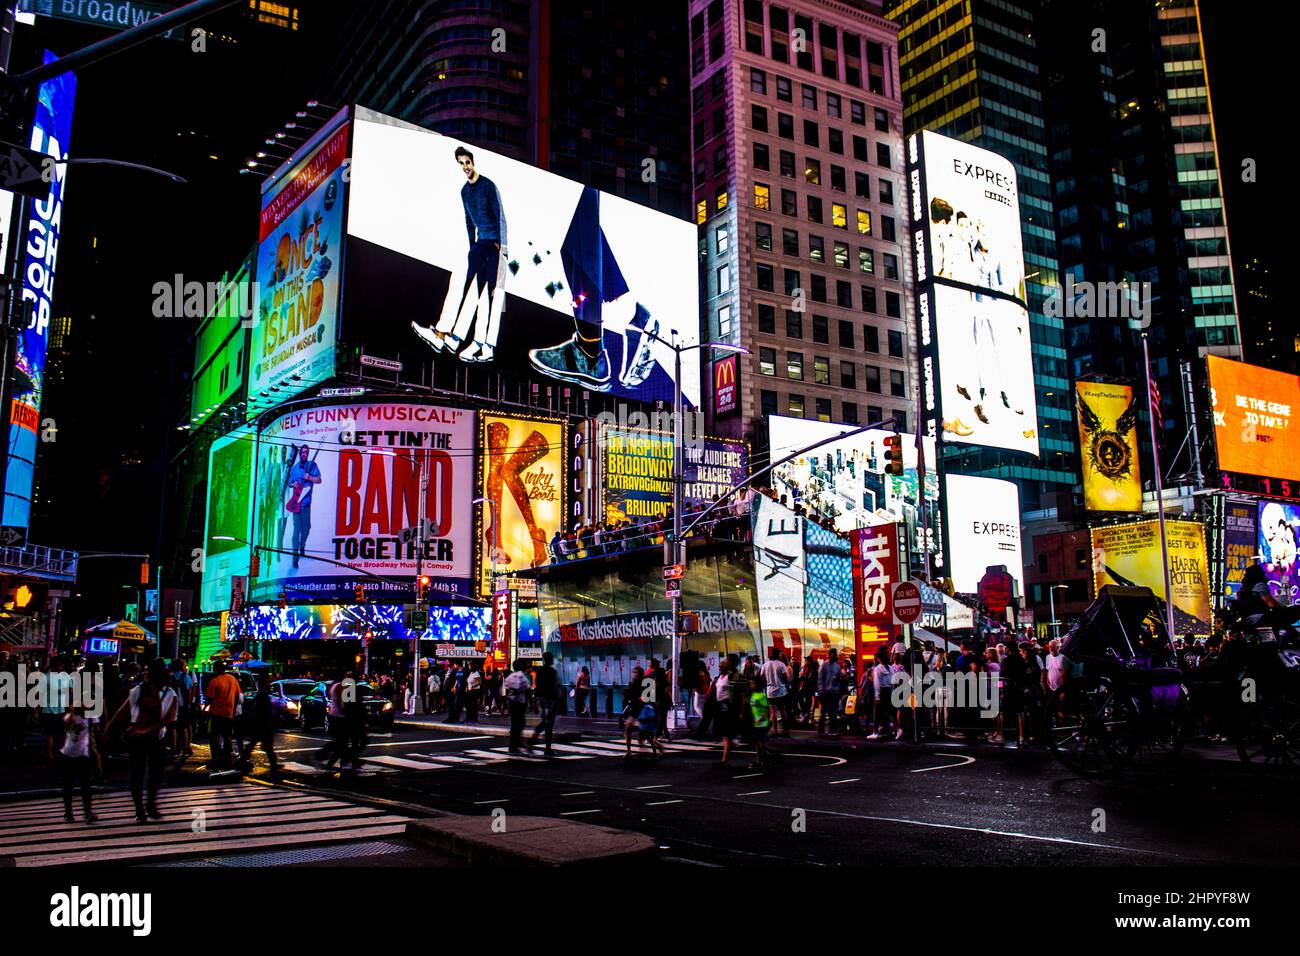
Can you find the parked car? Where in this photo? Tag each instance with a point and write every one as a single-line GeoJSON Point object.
{"type": "Point", "coordinates": [286, 700]}
{"type": "Point", "coordinates": [313, 707]}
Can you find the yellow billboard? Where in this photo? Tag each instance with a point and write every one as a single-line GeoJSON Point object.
{"type": "Point", "coordinates": [1108, 447]}
{"type": "Point", "coordinates": [1129, 554]}
{"type": "Point", "coordinates": [522, 478]}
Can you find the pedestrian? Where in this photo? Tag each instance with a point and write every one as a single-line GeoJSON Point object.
{"type": "Point", "coordinates": [760, 720]}
{"type": "Point", "coordinates": [726, 718]}
{"type": "Point", "coordinates": [150, 708]}
{"type": "Point", "coordinates": [516, 688]}
{"type": "Point", "coordinates": [546, 688]}
{"type": "Point", "coordinates": [993, 664]}
{"type": "Point", "coordinates": [776, 679]}
{"type": "Point", "coordinates": [224, 698]}
{"type": "Point", "coordinates": [707, 694]}
{"type": "Point", "coordinates": [830, 685]}
{"type": "Point", "coordinates": [260, 727]}
{"type": "Point", "coordinates": [662, 699]}
{"type": "Point", "coordinates": [807, 690]}
{"type": "Point", "coordinates": [473, 693]}
{"type": "Point", "coordinates": [183, 683]}
{"type": "Point", "coordinates": [336, 748]}
{"type": "Point", "coordinates": [882, 686]}
{"type": "Point", "coordinates": [433, 687]}
{"type": "Point", "coordinates": [581, 688]}
{"type": "Point", "coordinates": [454, 687]}
{"type": "Point", "coordinates": [78, 758]}
{"type": "Point", "coordinates": [355, 728]}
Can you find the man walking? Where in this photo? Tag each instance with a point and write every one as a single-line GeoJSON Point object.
{"type": "Point", "coordinates": [224, 698]}
{"type": "Point", "coordinates": [547, 691]}
{"type": "Point", "coordinates": [776, 678]}
{"type": "Point", "coordinates": [516, 688]}
{"type": "Point", "coordinates": [830, 685]}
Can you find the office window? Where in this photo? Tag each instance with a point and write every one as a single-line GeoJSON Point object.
{"type": "Point", "coordinates": [835, 141]}
{"type": "Point", "coordinates": [858, 112]}
{"type": "Point", "coordinates": [821, 330]}
{"type": "Point", "coordinates": [883, 157]}
{"type": "Point", "coordinates": [758, 118]}
{"type": "Point", "coordinates": [763, 236]}
{"type": "Point", "coordinates": [767, 319]}
{"type": "Point", "coordinates": [726, 327]}
{"type": "Point", "coordinates": [866, 261]}
{"type": "Point", "coordinates": [846, 334]}
{"type": "Point", "coordinates": [792, 284]}
{"type": "Point", "coordinates": [794, 366]}
{"type": "Point", "coordinates": [848, 375]}
{"type": "Point", "coordinates": [785, 125]}
{"type": "Point", "coordinates": [720, 159]}
{"type": "Point", "coordinates": [870, 338]}
{"type": "Point", "coordinates": [768, 402]}
{"type": "Point", "coordinates": [887, 229]}
{"type": "Point", "coordinates": [900, 419]}
{"type": "Point", "coordinates": [843, 294]}
{"type": "Point", "coordinates": [862, 185]}
{"type": "Point", "coordinates": [851, 413]}
{"type": "Point", "coordinates": [891, 265]}
{"type": "Point", "coordinates": [722, 200]}
{"type": "Point", "coordinates": [762, 160]}
{"type": "Point", "coordinates": [893, 305]}
{"type": "Point", "coordinates": [873, 378]}
{"type": "Point", "coordinates": [896, 383]}
{"type": "Point", "coordinates": [864, 222]}
{"type": "Point", "coordinates": [882, 120]}
{"type": "Point", "coordinates": [875, 413]}
{"type": "Point", "coordinates": [719, 83]}
{"type": "Point", "coordinates": [809, 96]}
{"type": "Point", "coordinates": [842, 255]}
{"type": "Point", "coordinates": [895, 343]}
{"type": "Point", "coordinates": [810, 134]}
{"type": "Point", "coordinates": [860, 149]}
{"type": "Point", "coordinates": [887, 192]}
{"type": "Point", "coordinates": [790, 242]}
{"type": "Point", "coordinates": [833, 105]}
{"type": "Point", "coordinates": [698, 98]}
{"type": "Point", "coordinates": [722, 239]}
{"type": "Point", "coordinates": [812, 171]}
{"type": "Point", "coordinates": [821, 370]}
{"type": "Point", "coordinates": [701, 211]}
{"type": "Point", "coordinates": [724, 280]}
{"type": "Point", "coordinates": [701, 170]}
{"type": "Point", "coordinates": [814, 209]}
{"type": "Point", "coordinates": [838, 182]}
{"type": "Point", "coordinates": [757, 81]}
{"type": "Point", "coordinates": [784, 90]}
{"type": "Point", "coordinates": [762, 196]}
{"type": "Point", "coordinates": [765, 283]}
{"type": "Point", "coordinates": [793, 324]}
{"type": "Point", "coordinates": [719, 120]}
{"type": "Point", "coordinates": [766, 361]}
{"type": "Point", "coordinates": [789, 203]}
{"type": "Point", "coordinates": [839, 215]}
{"type": "Point", "coordinates": [796, 406]}
{"type": "Point", "coordinates": [787, 163]}
{"type": "Point", "coordinates": [869, 299]}
{"type": "Point", "coordinates": [818, 288]}
{"type": "Point", "coordinates": [816, 249]}
{"type": "Point", "coordinates": [823, 409]}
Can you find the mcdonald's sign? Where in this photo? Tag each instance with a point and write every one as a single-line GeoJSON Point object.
{"type": "Point", "coordinates": [726, 382]}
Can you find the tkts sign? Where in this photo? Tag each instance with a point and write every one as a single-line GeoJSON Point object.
{"type": "Point", "coordinates": [876, 564]}
{"type": "Point", "coordinates": [726, 384]}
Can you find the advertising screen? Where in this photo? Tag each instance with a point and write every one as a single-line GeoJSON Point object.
{"type": "Point", "coordinates": [1108, 441]}
{"type": "Point", "coordinates": [299, 246]}
{"type": "Point", "coordinates": [780, 569]}
{"type": "Point", "coordinates": [229, 517]}
{"type": "Point", "coordinates": [986, 370]}
{"type": "Point", "coordinates": [522, 478]}
{"type": "Point", "coordinates": [845, 480]}
{"type": "Point", "coordinates": [51, 131]}
{"type": "Point", "coordinates": [971, 217]}
{"type": "Point", "coordinates": [341, 483]}
{"type": "Point", "coordinates": [828, 600]}
{"type": "Point", "coordinates": [1253, 411]}
{"type": "Point", "coordinates": [461, 627]}
{"type": "Point", "coordinates": [637, 472]}
{"type": "Point", "coordinates": [877, 567]}
{"type": "Point", "coordinates": [1129, 555]}
{"type": "Point", "coordinates": [1279, 530]}
{"type": "Point", "coordinates": [984, 530]}
{"type": "Point", "coordinates": [460, 254]}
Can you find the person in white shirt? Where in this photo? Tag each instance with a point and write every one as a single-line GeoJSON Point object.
{"type": "Point", "coordinates": [777, 678]}
{"type": "Point", "coordinates": [516, 688]}
{"type": "Point", "coordinates": [152, 705]}
{"type": "Point", "coordinates": [882, 679]}
{"type": "Point", "coordinates": [1054, 665]}
{"type": "Point", "coordinates": [78, 758]}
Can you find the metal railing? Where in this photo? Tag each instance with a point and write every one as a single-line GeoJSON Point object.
{"type": "Point", "coordinates": [40, 560]}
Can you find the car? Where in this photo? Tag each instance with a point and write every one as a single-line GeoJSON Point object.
{"type": "Point", "coordinates": [286, 699]}
{"type": "Point", "coordinates": [313, 707]}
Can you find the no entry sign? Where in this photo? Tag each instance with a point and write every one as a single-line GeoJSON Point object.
{"type": "Point", "coordinates": [907, 603]}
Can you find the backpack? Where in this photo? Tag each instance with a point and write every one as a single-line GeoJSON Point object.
{"type": "Point", "coordinates": [435, 683]}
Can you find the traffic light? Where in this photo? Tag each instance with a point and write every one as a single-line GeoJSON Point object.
{"type": "Point", "coordinates": [422, 595]}
{"type": "Point", "coordinates": [361, 594]}
{"type": "Point", "coordinates": [284, 601]}
{"type": "Point", "coordinates": [144, 572]}
{"type": "Point", "coordinates": [369, 635]}
{"type": "Point", "coordinates": [894, 455]}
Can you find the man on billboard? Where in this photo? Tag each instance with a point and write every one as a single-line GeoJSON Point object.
{"type": "Point", "coordinates": [476, 316]}
{"type": "Point", "coordinates": [298, 484]}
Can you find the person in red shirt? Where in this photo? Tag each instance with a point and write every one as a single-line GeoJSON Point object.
{"type": "Point", "coordinates": [223, 697]}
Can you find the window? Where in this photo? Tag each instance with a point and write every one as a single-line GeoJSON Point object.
{"type": "Point", "coordinates": [698, 98]}
{"type": "Point", "coordinates": [870, 338]}
{"type": "Point", "coordinates": [767, 319]}
{"type": "Point", "coordinates": [882, 120]}
{"type": "Point", "coordinates": [793, 324]}
{"type": "Point", "coordinates": [766, 361]}
{"type": "Point", "coordinates": [882, 156]}
{"type": "Point", "coordinates": [812, 171]}
{"type": "Point", "coordinates": [762, 196]}
{"type": "Point", "coordinates": [792, 281]}
{"type": "Point", "coordinates": [887, 229]}
{"type": "Point", "coordinates": [784, 90]}
{"type": "Point", "coordinates": [900, 418]}
{"type": "Point", "coordinates": [896, 383]}
{"type": "Point", "coordinates": [701, 211]}
{"type": "Point", "coordinates": [790, 242]}
{"type": "Point", "coordinates": [841, 255]}
{"type": "Point", "coordinates": [843, 294]}
{"type": "Point", "coordinates": [724, 280]}
{"type": "Point", "coordinates": [864, 222]}
{"type": "Point", "coordinates": [821, 330]}
{"type": "Point", "coordinates": [862, 185]}
{"type": "Point", "coordinates": [726, 327]}
{"type": "Point", "coordinates": [785, 125]}
{"type": "Point", "coordinates": [794, 366]}
{"type": "Point", "coordinates": [895, 343]}
{"type": "Point", "coordinates": [722, 200]}
{"type": "Point", "coordinates": [789, 203]}
{"type": "Point", "coordinates": [846, 334]}
{"type": "Point", "coordinates": [720, 159]}
{"type": "Point", "coordinates": [833, 105]}
{"type": "Point", "coordinates": [765, 278]}
{"type": "Point", "coordinates": [848, 375]}
{"type": "Point", "coordinates": [873, 378]}
{"type": "Point", "coordinates": [767, 400]}
{"type": "Point", "coordinates": [850, 413]}
{"type": "Point", "coordinates": [887, 192]}
{"type": "Point", "coordinates": [763, 236]}
{"type": "Point", "coordinates": [875, 413]}
{"type": "Point", "coordinates": [722, 239]}
{"type": "Point", "coordinates": [839, 215]}
{"type": "Point", "coordinates": [719, 83]}
{"type": "Point", "coordinates": [835, 141]}
{"type": "Point", "coordinates": [757, 81]}
{"type": "Point", "coordinates": [838, 182]}
{"type": "Point", "coordinates": [796, 406]}
{"type": "Point", "coordinates": [787, 163]}
{"type": "Point", "coordinates": [810, 134]}
{"type": "Point", "coordinates": [814, 209]}
{"type": "Point", "coordinates": [809, 96]}
{"type": "Point", "coordinates": [869, 299]}
{"type": "Point", "coordinates": [893, 305]}
{"type": "Point", "coordinates": [816, 249]}
{"type": "Point", "coordinates": [719, 119]}
{"type": "Point", "coordinates": [758, 117]}
{"type": "Point", "coordinates": [762, 160]}
{"type": "Point", "coordinates": [891, 265]}
{"type": "Point", "coordinates": [818, 288]}
{"type": "Point", "coordinates": [857, 112]}
{"type": "Point", "coordinates": [823, 409]}
{"type": "Point", "coordinates": [866, 261]}
{"type": "Point", "coordinates": [821, 370]}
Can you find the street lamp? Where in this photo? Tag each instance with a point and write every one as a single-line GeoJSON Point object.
{"type": "Point", "coordinates": [496, 518]}
{"type": "Point", "coordinates": [1051, 600]}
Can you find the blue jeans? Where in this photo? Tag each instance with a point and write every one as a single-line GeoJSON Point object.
{"type": "Point", "coordinates": [548, 707]}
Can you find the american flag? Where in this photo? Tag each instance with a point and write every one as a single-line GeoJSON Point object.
{"type": "Point", "coordinates": [1157, 416]}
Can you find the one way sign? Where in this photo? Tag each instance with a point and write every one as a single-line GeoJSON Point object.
{"type": "Point", "coordinates": [25, 171]}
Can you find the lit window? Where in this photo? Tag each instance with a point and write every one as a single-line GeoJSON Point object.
{"type": "Point", "coordinates": [864, 222]}
{"type": "Point", "coordinates": [722, 200]}
{"type": "Point", "coordinates": [762, 196]}
{"type": "Point", "coordinates": [839, 216]}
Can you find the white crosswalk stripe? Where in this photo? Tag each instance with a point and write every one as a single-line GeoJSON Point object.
{"type": "Point", "coordinates": [196, 821]}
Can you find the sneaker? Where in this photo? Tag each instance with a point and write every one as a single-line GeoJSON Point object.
{"type": "Point", "coordinates": [873, 736]}
{"type": "Point", "coordinates": [91, 818]}
{"type": "Point", "coordinates": [638, 362]}
{"type": "Point", "coordinates": [435, 340]}
{"type": "Point", "coordinates": [479, 352]}
{"type": "Point", "coordinates": [153, 812]}
{"type": "Point", "coordinates": [569, 363]}
{"type": "Point", "coordinates": [68, 817]}
{"type": "Point", "coordinates": [899, 735]}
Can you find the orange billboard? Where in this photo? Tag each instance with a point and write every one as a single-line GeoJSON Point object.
{"type": "Point", "coordinates": [1253, 411]}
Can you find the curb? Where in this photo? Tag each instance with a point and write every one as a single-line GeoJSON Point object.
{"type": "Point", "coordinates": [531, 841]}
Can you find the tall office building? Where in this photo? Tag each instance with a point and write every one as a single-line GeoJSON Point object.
{"type": "Point", "coordinates": [970, 70]}
{"type": "Point", "coordinates": [797, 145]}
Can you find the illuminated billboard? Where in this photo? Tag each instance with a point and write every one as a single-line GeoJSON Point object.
{"type": "Point", "coordinates": [1253, 409]}
{"type": "Point", "coordinates": [780, 571]}
{"type": "Point", "coordinates": [341, 483]}
{"type": "Point", "coordinates": [877, 568]}
{"type": "Point", "coordinates": [298, 272]}
{"type": "Point", "coordinates": [458, 630]}
{"type": "Point", "coordinates": [1242, 542]}
{"type": "Point", "coordinates": [637, 469]}
{"type": "Point", "coordinates": [983, 530]}
{"type": "Point", "coordinates": [51, 131]}
{"type": "Point", "coordinates": [1108, 439]}
{"type": "Point", "coordinates": [464, 256]}
{"type": "Point", "coordinates": [1279, 530]}
{"type": "Point", "coordinates": [522, 478]}
{"type": "Point", "coordinates": [1129, 555]}
{"type": "Point", "coordinates": [228, 520]}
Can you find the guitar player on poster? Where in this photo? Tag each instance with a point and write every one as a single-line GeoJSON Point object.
{"type": "Point", "coordinates": [298, 485]}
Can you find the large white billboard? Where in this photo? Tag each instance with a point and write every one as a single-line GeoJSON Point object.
{"type": "Point", "coordinates": [461, 253]}
{"type": "Point", "coordinates": [983, 529]}
{"type": "Point", "coordinates": [780, 567]}
{"type": "Point", "coordinates": [986, 370]}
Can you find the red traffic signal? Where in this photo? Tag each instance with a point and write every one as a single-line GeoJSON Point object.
{"type": "Point", "coordinates": [361, 593]}
{"type": "Point", "coordinates": [894, 455]}
{"type": "Point", "coordinates": [422, 593]}
{"type": "Point", "coordinates": [144, 572]}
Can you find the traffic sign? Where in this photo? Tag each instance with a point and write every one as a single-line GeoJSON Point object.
{"type": "Point", "coordinates": [674, 572]}
{"type": "Point", "coordinates": [25, 171]}
{"type": "Point", "coordinates": [419, 619]}
{"type": "Point", "coordinates": [673, 589]}
{"type": "Point", "coordinates": [907, 603]}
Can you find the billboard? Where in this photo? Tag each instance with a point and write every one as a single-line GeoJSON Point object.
{"type": "Point", "coordinates": [1129, 554]}
{"type": "Point", "coordinates": [522, 478]}
{"type": "Point", "coordinates": [780, 567]}
{"type": "Point", "coordinates": [985, 370]}
{"type": "Point", "coordinates": [1108, 439]}
{"type": "Point", "coordinates": [726, 384]}
{"type": "Point", "coordinates": [456, 628]}
{"type": "Point", "coordinates": [984, 531]}
{"type": "Point", "coordinates": [877, 567]}
{"type": "Point", "coordinates": [637, 469]}
{"type": "Point", "coordinates": [1241, 543]}
{"type": "Point", "coordinates": [1279, 530]}
{"type": "Point", "coordinates": [828, 599]}
{"type": "Point", "coordinates": [845, 480]}
{"type": "Point", "coordinates": [298, 276]}
{"type": "Point", "coordinates": [341, 483]}
{"type": "Point", "coordinates": [39, 229]}
{"type": "Point", "coordinates": [229, 516]}
{"type": "Point", "coordinates": [1253, 408]}
{"type": "Point", "coordinates": [462, 255]}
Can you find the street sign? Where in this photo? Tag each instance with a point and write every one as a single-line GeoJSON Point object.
{"type": "Point", "coordinates": [907, 603]}
{"type": "Point", "coordinates": [25, 171]}
{"type": "Point", "coordinates": [673, 589]}
{"type": "Point", "coordinates": [419, 619]}
{"type": "Point", "coordinates": [388, 365]}
{"type": "Point", "coordinates": [355, 392]}
{"type": "Point", "coordinates": [238, 587]}
{"type": "Point", "coordinates": [674, 572]}
{"type": "Point", "coordinates": [12, 536]}
{"type": "Point", "coordinates": [111, 14]}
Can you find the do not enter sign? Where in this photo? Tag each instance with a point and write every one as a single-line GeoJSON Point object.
{"type": "Point", "coordinates": [907, 603]}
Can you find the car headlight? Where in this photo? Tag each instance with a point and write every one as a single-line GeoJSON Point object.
{"type": "Point", "coordinates": [291, 705]}
{"type": "Point", "coordinates": [388, 705]}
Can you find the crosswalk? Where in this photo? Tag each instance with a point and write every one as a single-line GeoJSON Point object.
{"type": "Point", "coordinates": [196, 821]}
{"type": "Point", "coordinates": [591, 749]}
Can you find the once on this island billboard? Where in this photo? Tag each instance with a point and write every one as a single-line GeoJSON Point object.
{"type": "Point", "coordinates": [459, 255]}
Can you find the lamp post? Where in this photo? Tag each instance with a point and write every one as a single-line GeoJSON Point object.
{"type": "Point", "coordinates": [492, 546]}
{"type": "Point", "coordinates": [1051, 600]}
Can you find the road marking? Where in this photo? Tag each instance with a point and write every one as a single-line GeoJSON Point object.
{"type": "Point", "coordinates": [478, 803]}
{"type": "Point", "coordinates": [577, 813]}
{"type": "Point", "coordinates": [655, 786]}
{"type": "Point", "coordinates": [849, 780]}
{"type": "Point", "coordinates": [745, 776]}
{"type": "Point", "coordinates": [753, 793]}
{"type": "Point", "coordinates": [578, 793]}
{"type": "Point", "coordinates": [663, 803]}
{"type": "Point", "coordinates": [402, 762]}
{"type": "Point", "coordinates": [966, 761]}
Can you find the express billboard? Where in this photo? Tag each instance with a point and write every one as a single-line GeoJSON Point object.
{"type": "Point", "coordinates": [467, 256]}
{"type": "Point", "coordinates": [341, 483]}
{"type": "Point", "coordinates": [228, 519]}
{"type": "Point", "coordinates": [1108, 416]}
{"type": "Point", "coordinates": [1253, 409]}
{"type": "Point", "coordinates": [1130, 555]}
{"type": "Point", "coordinates": [298, 274]}
{"type": "Point", "coordinates": [984, 530]}
{"type": "Point", "coordinates": [1279, 531]}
